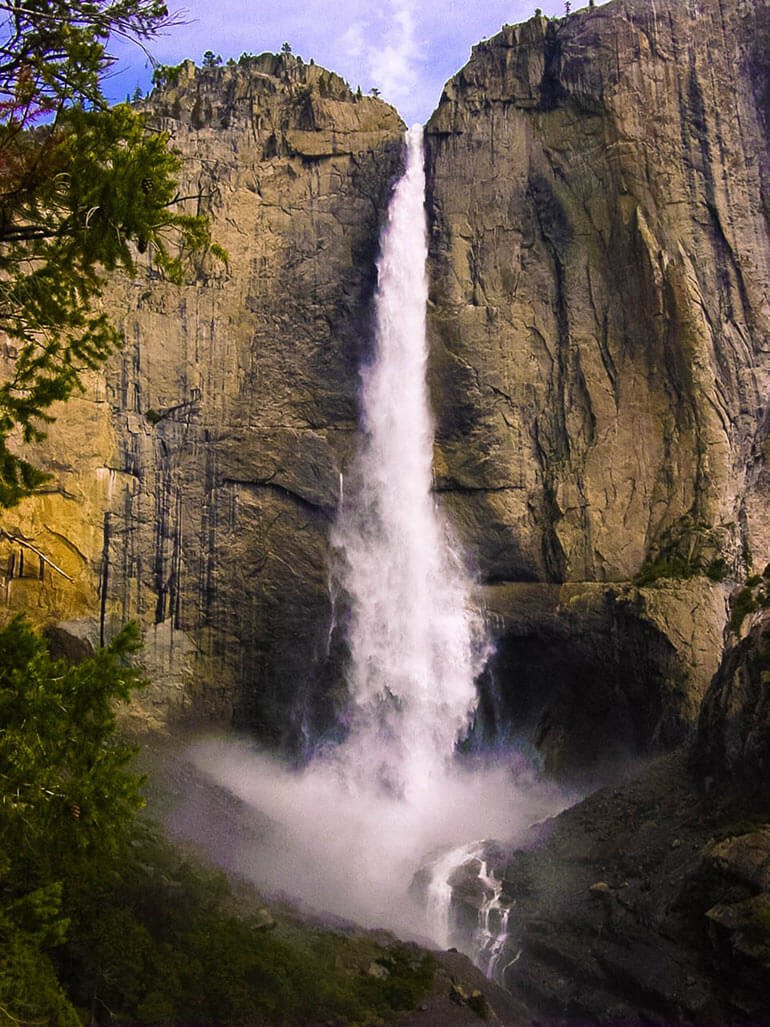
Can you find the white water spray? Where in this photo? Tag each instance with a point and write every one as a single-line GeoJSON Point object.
{"type": "Point", "coordinates": [416, 643]}
{"type": "Point", "coordinates": [485, 942]}
{"type": "Point", "coordinates": [348, 832]}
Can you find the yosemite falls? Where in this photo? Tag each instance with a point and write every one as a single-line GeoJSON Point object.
{"type": "Point", "coordinates": [416, 644]}
{"type": "Point", "coordinates": [348, 831]}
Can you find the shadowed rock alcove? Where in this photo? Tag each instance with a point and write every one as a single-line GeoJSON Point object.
{"type": "Point", "coordinates": [583, 673]}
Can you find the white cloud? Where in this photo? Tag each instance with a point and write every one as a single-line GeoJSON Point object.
{"type": "Point", "coordinates": [395, 64]}
{"type": "Point", "coordinates": [352, 40]}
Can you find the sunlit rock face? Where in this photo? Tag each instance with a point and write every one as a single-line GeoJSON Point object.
{"type": "Point", "coordinates": [196, 483]}
{"type": "Point", "coordinates": [600, 320]}
{"type": "Point", "coordinates": [600, 370]}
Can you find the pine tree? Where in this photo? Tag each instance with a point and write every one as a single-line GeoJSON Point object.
{"type": "Point", "coordinates": [64, 786]}
{"type": "Point", "coordinates": [82, 188]}
{"type": "Point", "coordinates": [67, 802]}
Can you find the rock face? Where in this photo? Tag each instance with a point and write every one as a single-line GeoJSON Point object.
{"type": "Point", "coordinates": [600, 330]}
{"type": "Point", "coordinates": [646, 903]}
{"type": "Point", "coordinates": [593, 673]}
{"type": "Point", "coordinates": [196, 482]}
{"type": "Point", "coordinates": [733, 739]}
{"type": "Point", "coordinates": [600, 319]}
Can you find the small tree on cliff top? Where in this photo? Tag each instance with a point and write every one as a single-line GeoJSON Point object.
{"type": "Point", "coordinates": [81, 185]}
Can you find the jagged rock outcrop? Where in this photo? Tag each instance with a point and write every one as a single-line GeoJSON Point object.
{"type": "Point", "coordinates": [733, 739]}
{"type": "Point", "coordinates": [195, 484]}
{"type": "Point", "coordinates": [598, 194]}
{"type": "Point", "coordinates": [646, 903]}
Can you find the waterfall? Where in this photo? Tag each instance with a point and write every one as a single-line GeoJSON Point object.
{"type": "Point", "coordinates": [349, 831]}
{"type": "Point", "coordinates": [416, 644]}
{"type": "Point", "coordinates": [485, 941]}
{"type": "Point", "coordinates": [492, 930]}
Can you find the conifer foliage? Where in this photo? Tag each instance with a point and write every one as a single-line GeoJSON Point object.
{"type": "Point", "coordinates": [61, 768]}
{"type": "Point", "coordinates": [83, 188]}
{"type": "Point", "coordinates": [67, 801]}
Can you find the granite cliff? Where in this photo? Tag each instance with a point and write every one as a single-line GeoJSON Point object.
{"type": "Point", "coordinates": [600, 253]}
{"type": "Point", "coordinates": [600, 332]}
{"type": "Point", "coordinates": [195, 483]}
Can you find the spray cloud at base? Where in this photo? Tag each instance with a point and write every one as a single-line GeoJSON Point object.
{"type": "Point", "coordinates": [349, 831]}
{"type": "Point", "coordinates": [341, 846]}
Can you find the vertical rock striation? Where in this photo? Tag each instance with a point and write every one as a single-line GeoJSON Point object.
{"type": "Point", "coordinates": [220, 430]}
{"type": "Point", "coordinates": [600, 258]}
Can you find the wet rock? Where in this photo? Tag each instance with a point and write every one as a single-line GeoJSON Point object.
{"type": "Point", "coordinates": [734, 727]}
{"type": "Point", "coordinates": [614, 923]}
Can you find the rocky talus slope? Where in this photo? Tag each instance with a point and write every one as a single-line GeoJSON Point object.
{"type": "Point", "coordinates": [600, 328]}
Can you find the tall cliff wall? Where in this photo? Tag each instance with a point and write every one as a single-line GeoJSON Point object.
{"type": "Point", "coordinates": [195, 483]}
{"type": "Point", "coordinates": [601, 327]}
{"type": "Point", "coordinates": [599, 321]}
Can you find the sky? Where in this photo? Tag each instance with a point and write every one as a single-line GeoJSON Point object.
{"type": "Point", "coordinates": [406, 50]}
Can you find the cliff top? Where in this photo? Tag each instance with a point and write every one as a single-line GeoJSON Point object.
{"type": "Point", "coordinates": [586, 54]}
{"type": "Point", "coordinates": [302, 107]}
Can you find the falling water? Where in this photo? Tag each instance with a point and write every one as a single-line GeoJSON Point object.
{"type": "Point", "coordinates": [347, 832]}
{"type": "Point", "coordinates": [416, 643]}
{"type": "Point", "coordinates": [486, 941]}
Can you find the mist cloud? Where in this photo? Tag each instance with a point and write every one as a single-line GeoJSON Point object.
{"type": "Point", "coordinates": [341, 847]}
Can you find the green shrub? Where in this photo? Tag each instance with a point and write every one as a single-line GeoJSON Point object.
{"type": "Point", "coordinates": [162, 940]}
{"type": "Point", "coordinates": [68, 801]}
{"type": "Point", "coordinates": [686, 549]}
{"type": "Point", "coordinates": [29, 990]}
{"type": "Point", "coordinates": [755, 595]}
{"type": "Point", "coordinates": [665, 567]}
{"type": "Point", "coordinates": [166, 74]}
{"type": "Point", "coordinates": [717, 569]}
{"type": "Point", "coordinates": [741, 606]}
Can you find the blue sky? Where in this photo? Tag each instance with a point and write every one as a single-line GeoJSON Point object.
{"type": "Point", "coordinates": [407, 50]}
